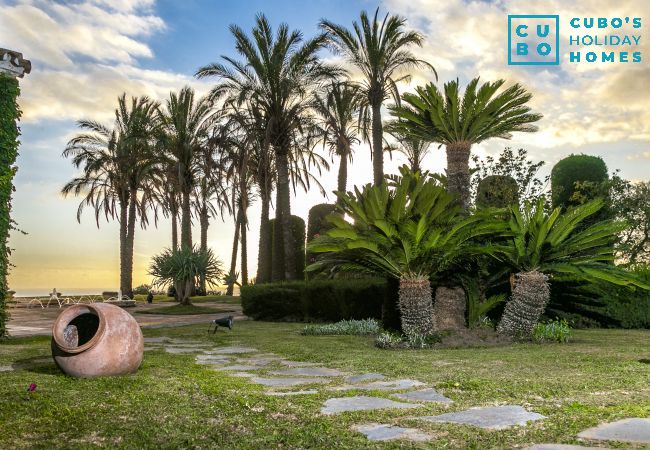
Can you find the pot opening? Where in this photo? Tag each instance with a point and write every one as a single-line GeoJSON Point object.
{"type": "Point", "coordinates": [81, 329]}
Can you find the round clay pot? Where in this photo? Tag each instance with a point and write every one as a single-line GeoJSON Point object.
{"type": "Point", "coordinates": [97, 340]}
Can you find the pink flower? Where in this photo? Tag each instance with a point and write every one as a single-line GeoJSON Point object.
{"type": "Point", "coordinates": [32, 387]}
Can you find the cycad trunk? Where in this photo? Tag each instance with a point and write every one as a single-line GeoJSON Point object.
{"type": "Point", "coordinates": [266, 243]}
{"type": "Point", "coordinates": [458, 176]}
{"type": "Point", "coordinates": [415, 306]}
{"type": "Point", "coordinates": [529, 298]}
{"type": "Point", "coordinates": [233, 259]}
{"type": "Point", "coordinates": [205, 223]}
{"type": "Point", "coordinates": [342, 181]}
{"type": "Point", "coordinates": [184, 291]}
{"type": "Point", "coordinates": [283, 216]}
{"type": "Point", "coordinates": [449, 309]}
{"type": "Point", "coordinates": [377, 144]}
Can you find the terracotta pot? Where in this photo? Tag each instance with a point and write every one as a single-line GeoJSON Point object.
{"type": "Point", "coordinates": [97, 340]}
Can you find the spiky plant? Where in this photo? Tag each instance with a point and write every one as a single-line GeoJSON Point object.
{"type": "Point", "coordinates": [459, 122]}
{"type": "Point", "coordinates": [557, 245]}
{"type": "Point", "coordinates": [184, 268]}
{"type": "Point", "coordinates": [409, 230]}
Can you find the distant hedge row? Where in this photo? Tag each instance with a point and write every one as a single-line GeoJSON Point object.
{"type": "Point", "coordinates": [320, 300]}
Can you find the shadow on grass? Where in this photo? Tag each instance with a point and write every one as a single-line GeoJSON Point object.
{"type": "Point", "coordinates": [39, 364]}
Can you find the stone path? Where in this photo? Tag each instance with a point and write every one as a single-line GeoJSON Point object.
{"type": "Point", "coordinates": [287, 378]}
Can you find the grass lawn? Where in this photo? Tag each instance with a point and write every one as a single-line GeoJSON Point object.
{"type": "Point", "coordinates": [201, 299]}
{"type": "Point", "coordinates": [173, 403]}
{"type": "Point", "coordinates": [183, 310]}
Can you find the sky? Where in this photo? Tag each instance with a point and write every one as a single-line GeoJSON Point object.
{"type": "Point", "coordinates": [86, 53]}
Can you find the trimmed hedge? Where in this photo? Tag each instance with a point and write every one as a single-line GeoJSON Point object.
{"type": "Point", "coordinates": [319, 300]}
{"type": "Point", "coordinates": [497, 191]}
{"type": "Point", "coordinates": [298, 230]}
{"type": "Point", "coordinates": [316, 224]}
{"type": "Point", "coordinates": [576, 169]}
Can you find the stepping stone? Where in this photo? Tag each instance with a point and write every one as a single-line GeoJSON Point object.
{"type": "Point", "coordinates": [255, 361]}
{"type": "Point", "coordinates": [233, 350]}
{"type": "Point", "coordinates": [562, 447]}
{"type": "Point", "coordinates": [310, 372]}
{"type": "Point", "coordinates": [238, 367]}
{"type": "Point", "coordinates": [394, 385]}
{"type": "Point", "coordinates": [490, 418]}
{"type": "Point", "coordinates": [289, 393]}
{"type": "Point", "coordinates": [155, 340]}
{"type": "Point", "coordinates": [297, 363]}
{"type": "Point", "coordinates": [380, 432]}
{"type": "Point", "coordinates": [180, 350]}
{"type": "Point", "coordinates": [242, 374]}
{"type": "Point", "coordinates": [287, 382]}
{"type": "Point", "coordinates": [365, 377]}
{"type": "Point", "coordinates": [626, 430]}
{"type": "Point", "coordinates": [6, 369]}
{"type": "Point", "coordinates": [149, 349]}
{"type": "Point", "coordinates": [362, 403]}
{"type": "Point", "coordinates": [424, 395]}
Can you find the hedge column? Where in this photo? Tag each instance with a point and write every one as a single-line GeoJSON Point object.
{"type": "Point", "coordinates": [12, 65]}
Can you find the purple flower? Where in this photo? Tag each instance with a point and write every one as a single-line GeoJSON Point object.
{"type": "Point", "coordinates": [32, 387]}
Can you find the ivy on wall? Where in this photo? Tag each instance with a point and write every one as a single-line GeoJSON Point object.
{"type": "Point", "coordinates": [9, 116]}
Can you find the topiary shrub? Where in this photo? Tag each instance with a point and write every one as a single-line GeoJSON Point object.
{"type": "Point", "coordinates": [317, 224]}
{"type": "Point", "coordinates": [298, 232]}
{"type": "Point", "coordinates": [497, 191]}
{"type": "Point", "coordinates": [577, 179]}
{"type": "Point", "coordinates": [323, 300]}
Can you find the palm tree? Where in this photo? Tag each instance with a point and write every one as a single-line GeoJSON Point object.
{"type": "Point", "coordinates": [277, 73]}
{"type": "Point", "coordinates": [458, 123]}
{"type": "Point", "coordinates": [186, 123]}
{"type": "Point", "coordinates": [380, 52]}
{"type": "Point", "coordinates": [338, 108]}
{"type": "Point", "coordinates": [557, 245]}
{"type": "Point", "coordinates": [117, 166]}
{"type": "Point", "coordinates": [409, 230]}
{"type": "Point", "coordinates": [414, 148]}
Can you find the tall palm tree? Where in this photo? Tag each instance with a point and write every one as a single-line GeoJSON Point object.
{"type": "Point", "coordinates": [186, 123]}
{"type": "Point", "coordinates": [408, 230]}
{"type": "Point", "coordinates": [558, 245]}
{"type": "Point", "coordinates": [117, 166]}
{"type": "Point", "coordinates": [381, 52]}
{"type": "Point", "coordinates": [276, 73]}
{"type": "Point", "coordinates": [458, 123]}
{"type": "Point", "coordinates": [338, 111]}
{"type": "Point", "coordinates": [414, 148]}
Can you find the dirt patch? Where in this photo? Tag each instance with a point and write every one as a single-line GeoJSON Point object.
{"type": "Point", "coordinates": [472, 338]}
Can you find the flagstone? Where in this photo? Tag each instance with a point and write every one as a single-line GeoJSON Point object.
{"type": "Point", "coordinates": [287, 382]}
{"type": "Point", "coordinates": [491, 417]}
{"type": "Point", "coordinates": [389, 385]}
{"type": "Point", "coordinates": [381, 432]}
{"type": "Point", "coordinates": [626, 430]}
{"type": "Point", "coordinates": [362, 403]}
{"type": "Point", "coordinates": [233, 350]}
{"type": "Point", "coordinates": [238, 367]}
{"type": "Point", "coordinates": [365, 377]}
{"type": "Point", "coordinates": [310, 372]}
{"type": "Point", "coordinates": [291, 393]}
{"type": "Point", "coordinates": [424, 395]}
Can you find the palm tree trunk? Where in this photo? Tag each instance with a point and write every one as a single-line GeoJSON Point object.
{"type": "Point", "coordinates": [124, 245]}
{"type": "Point", "coordinates": [458, 172]}
{"type": "Point", "coordinates": [449, 309]}
{"type": "Point", "coordinates": [530, 296]}
{"type": "Point", "coordinates": [233, 258]}
{"type": "Point", "coordinates": [186, 211]}
{"type": "Point", "coordinates": [244, 251]}
{"type": "Point", "coordinates": [185, 291]}
{"type": "Point", "coordinates": [283, 215]}
{"type": "Point", "coordinates": [174, 216]}
{"type": "Point", "coordinates": [205, 223]}
{"type": "Point", "coordinates": [342, 182]}
{"type": "Point", "coordinates": [266, 243]}
{"type": "Point", "coordinates": [377, 144]}
{"type": "Point", "coordinates": [415, 306]}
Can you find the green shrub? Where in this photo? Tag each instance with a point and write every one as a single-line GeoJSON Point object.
{"type": "Point", "coordinates": [576, 179]}
{"type": "Point", "coordinates": [390, 340]}
{"type": "Point", "coordinates": [325, 300]}
{"type": "Point", "coordinates": [554, 331]}
{"type": "Point", "coordinates": [317, 225]}
{"type": "Point", "coordinates": [344, 327]}
{"type": "Point", "coordinates": [497, 191]}
{"type": "Point", "coordinates": [277, 253]}
{"type": "Point", "coordinates": [143, 289]}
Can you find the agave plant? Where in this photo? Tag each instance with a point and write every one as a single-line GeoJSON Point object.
{"type": "Point", "coordinates": [557, 245]}
{"type": "Point", "coordinates": [408, 229]}
{"type": "Point", "coordinates": [184, 268]}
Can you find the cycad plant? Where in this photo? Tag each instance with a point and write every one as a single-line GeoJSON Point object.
{"type": "Point", "coordinates": [409, 230]}
{"type": "Point", "coordinates": [184, 268]}
{"type": "Point", "coordinates": [459, 122]}
{"type": "Point", "coordinates": [555, 245]}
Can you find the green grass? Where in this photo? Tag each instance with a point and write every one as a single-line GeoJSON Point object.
{"type": "Point", "coordinates": [231, 300]}
{"type": "Point", "coordinates": [183, 310]}
{"type": "Point", "coordinates": [173, 403]}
